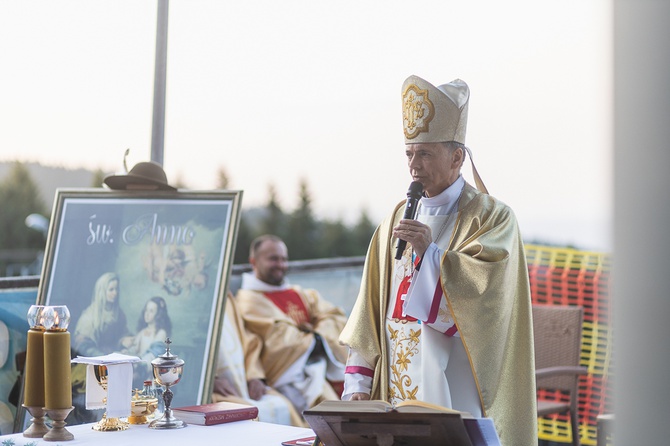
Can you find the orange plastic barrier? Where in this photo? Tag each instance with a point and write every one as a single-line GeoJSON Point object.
{"type": "Point", "coordinates": [563, 276]}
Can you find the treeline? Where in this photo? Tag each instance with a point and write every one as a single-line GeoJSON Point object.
{"type": "Point", "coordinates": [19, 197]}
{"type": "Point", "coordinates": [306, 236]}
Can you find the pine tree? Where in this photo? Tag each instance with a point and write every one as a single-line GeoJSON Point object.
{"type": "Point", "coordinates": [303, 229]}
{"type": "Point", "coordinates": [361, 234]}
{"type": "Point", "coordinates": [98, 178]}
{"type": "Point", "coordinates": [275, 219]}
{"type": "Point", "coordinates": [222, 179]}
{"type": "Point", "coordinates": [244, 238]}
{"type": "Point", "coordinates": [335, 240]}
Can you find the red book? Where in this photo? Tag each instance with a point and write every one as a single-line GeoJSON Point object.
{"type": "Point", "coordinates": [215, 413]}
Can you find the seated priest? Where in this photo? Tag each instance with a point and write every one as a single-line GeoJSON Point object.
{"type": "Point", "coordinates": [239, 375]}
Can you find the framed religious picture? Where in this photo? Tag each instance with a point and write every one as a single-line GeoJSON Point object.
{"type": "Point", "coordinates": [135, 268]}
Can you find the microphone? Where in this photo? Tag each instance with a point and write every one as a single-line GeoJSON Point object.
{"type": "Point", "coordinates": [413, 196]}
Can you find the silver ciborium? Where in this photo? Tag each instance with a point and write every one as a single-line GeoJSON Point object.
{"type": "Point", "coordinates": [167, 371]}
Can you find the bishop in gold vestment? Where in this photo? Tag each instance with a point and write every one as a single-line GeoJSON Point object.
{"type": "Point", "coordinates": [479, 304]}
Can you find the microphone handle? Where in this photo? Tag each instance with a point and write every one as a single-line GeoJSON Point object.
{"type": "Point", "coordinates": [402, 244]}
{"type": "Point", "coordinates": [410, 214]}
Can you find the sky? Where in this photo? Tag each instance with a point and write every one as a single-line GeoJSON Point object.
{"type": "Point", "coordinates": [275, 93]}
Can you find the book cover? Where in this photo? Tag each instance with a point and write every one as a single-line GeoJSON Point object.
{"type": "Point", "coordinates": [215, 413]}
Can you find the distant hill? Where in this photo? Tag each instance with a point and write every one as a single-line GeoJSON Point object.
{"type": "Point", "coordinates": [49, 178]}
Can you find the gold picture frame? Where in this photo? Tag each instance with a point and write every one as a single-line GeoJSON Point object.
{"type": "Point", "coordinates": [172, 248]}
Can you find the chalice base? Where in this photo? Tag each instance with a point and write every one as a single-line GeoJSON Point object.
{"type": "Point", "coordinates": [110, 425]}
{"type": "Point", "coordinates": [167, 421]}
{"type": "Point", "coordinates": [37, 428]}
{"type": "Point", "coordinates": [58, 431]}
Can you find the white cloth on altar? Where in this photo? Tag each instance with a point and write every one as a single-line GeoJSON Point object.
{"type": "Point", "coordinates": [118, 393]}
{"type": "Point", "coordinates": [119, 380]}
{"type": "Point", "coordinates": [244, 433]}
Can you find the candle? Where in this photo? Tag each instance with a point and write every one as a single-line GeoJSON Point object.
{"type": "Point", "coordinates": [57, 382]}
{"type": "Point", "coordinates": [33, 390]}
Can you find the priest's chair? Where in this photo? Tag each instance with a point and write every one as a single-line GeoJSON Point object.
{"type": "Point", "coordinates": [558, 338]}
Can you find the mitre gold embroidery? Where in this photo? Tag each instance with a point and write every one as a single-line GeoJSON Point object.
{"type": "Point", "coordinates": [417, 111]}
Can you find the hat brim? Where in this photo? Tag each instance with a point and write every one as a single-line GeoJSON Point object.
{"type": "Point", "coordinates": [122, 182]}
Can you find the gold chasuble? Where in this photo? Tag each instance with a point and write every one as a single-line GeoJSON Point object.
{"type": "Point", "coordinates": [274, 317]}
{"type": "Point", "coordinates": [485, 280]}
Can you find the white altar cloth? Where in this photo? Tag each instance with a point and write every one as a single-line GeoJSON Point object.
{"type": "Point", "coordinates": [238, 433]}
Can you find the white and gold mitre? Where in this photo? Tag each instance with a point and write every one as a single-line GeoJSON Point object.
{"type": "Point", "coordinates": [434, 114]}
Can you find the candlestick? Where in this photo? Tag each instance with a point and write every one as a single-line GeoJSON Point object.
{"type": "Point", "coordinates": [37, 428]}
{"type": "Point", "coordinates": [33, 390]}
{"type": "Point", "coordinates": [58, 431]}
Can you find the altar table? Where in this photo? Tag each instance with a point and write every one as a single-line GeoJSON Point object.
{"type": "Point", "coordinates": [238, 433]}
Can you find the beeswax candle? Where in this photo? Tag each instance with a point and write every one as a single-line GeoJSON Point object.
{"type": "Point", "coordinates": [57, 383]}
{"type": "Point", "coordinates": [33, 392]}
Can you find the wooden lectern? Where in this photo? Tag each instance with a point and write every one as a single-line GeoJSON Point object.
{"type": "Point", "coordinates": [375, 423]}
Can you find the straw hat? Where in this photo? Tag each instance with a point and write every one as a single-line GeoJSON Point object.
{"type": "Point", "coordinates": [434, 114]}
{"type": "Point", "coordinates": [146, 175]}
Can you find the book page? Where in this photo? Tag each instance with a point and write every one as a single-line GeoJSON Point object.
{"type": "Point", "coordinates": [380, 406]}
{"type": "Point", "coordinates": [353, 406]}
{"type": "Point", "coordinates": [422, 406]}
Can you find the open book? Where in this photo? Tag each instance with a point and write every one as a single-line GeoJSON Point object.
{"type": "Point", "coordinates": [411, 422]}
{"type": "Point", "coordinates": [385, 406]}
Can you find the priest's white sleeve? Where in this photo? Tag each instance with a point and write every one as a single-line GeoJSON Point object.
{"type": "Point", "coordinates": [357, 376]}
{"type": "Point", "coordinates": [425, 299]}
